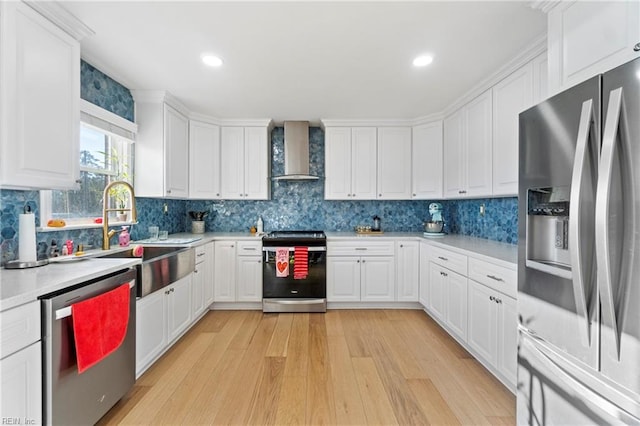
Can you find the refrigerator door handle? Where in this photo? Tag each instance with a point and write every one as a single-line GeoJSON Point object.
{"type": "Point", "coordinates": [581, 177]}
{"type": "Point", "coordinates": [603, 198]}
{"type": "Point", "coordinates": [576, 388]}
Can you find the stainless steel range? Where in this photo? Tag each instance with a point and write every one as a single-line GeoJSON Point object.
{"type": "Point", "coordinates": [294, 271]}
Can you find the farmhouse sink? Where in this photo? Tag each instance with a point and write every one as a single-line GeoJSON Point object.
{"type": "Point", "coordinates": [161, 266]}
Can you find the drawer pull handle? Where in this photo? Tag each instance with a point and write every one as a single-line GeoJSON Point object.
{"type": "Point", "coordinates": [200, 254]}
{"type": "Point", "coordinates": [443, 258]}
{"type": "Point", "coordinates": [444, 274]}
{"type": "Point", "coordinates": [493, 277]}
{"type": "Point", "coordinates": [361, 248]}
{"type": "Point", "coordinates": [493, 299]}
{"type": "Point", "coordinates": [248, 248]}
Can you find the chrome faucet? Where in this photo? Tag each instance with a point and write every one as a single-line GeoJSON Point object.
{"type": "Point", "coordinates": [106, 234]}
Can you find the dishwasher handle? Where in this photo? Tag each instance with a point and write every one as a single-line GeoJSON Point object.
{"type": "Point", "coordinates": [66, 311]}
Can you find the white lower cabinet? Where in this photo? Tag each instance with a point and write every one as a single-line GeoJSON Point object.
{"type": "Point", "coordinates": [343, 279]}
{"type": "Point", "coordinates": [161, 318]}
{"type": "Point", "coordinates": [377, 279]}
{"type": "Point", "coordinates": [493, 329]}
{"type": "Point", "coordinates": [209, 250]}
{"type": "Point", "coordinates": [448, 298]}
{"type": "Point", "coordinates": [21, 364]}
{"type": "Point", "coordinates": [407, 271]}
{"type": "Point", "coordinates": [475, 302]}
{"type": "Point", "coordinates": [249, 279]}
{"type": "Point", "coordinates": [225, 271]}
{"type": "Point", "coordinates": [360, 278]}
{"type": "Point", "coordinates": [238, 271]}
{"type": "Point", "coordinates": [21, 383]}
{"type": "Point", "coordinates": [151, 329]}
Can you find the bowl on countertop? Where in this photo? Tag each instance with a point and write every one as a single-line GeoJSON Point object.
{"type": "Point", "coordinates": [433, 227]}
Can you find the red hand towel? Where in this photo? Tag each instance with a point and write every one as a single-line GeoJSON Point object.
{"type": "Point", "coordinates": [300, 263]}
{"type": "Point", "coordinates": [100, 325]}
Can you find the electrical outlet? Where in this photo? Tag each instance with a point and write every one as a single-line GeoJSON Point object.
{"type": "Point", "coordinates": [482, 210]}
{"type": "Point", "coordinates": [165, 208]}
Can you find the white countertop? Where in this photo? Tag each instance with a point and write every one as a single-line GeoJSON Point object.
{"type": "Point", "coordinates": [491, 251]}
{"type": "Point", "coordinates": [20, 286]}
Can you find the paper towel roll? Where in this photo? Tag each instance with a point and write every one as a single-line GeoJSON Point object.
{"type": "Point", "coordinates": [27, 238]}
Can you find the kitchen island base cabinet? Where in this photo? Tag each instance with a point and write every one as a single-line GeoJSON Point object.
{"type": "Point", "coordinates": [161, 318]}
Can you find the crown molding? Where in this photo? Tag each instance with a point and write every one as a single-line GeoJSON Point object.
{"type": "Point", "coordinates": [232, 122]}
{"type": "Point", "coordinates": [60, 16]}
{"type": "Point", "coordinates": [159, 96]}
{"type": "Point", "coordinates": [544, 5]}
{"type": "Point", "coordinates": [537, 47]}
{"type": "Point", "coordinates": [336, 122]}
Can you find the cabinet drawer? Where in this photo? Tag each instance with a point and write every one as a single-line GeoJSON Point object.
{"type": "Point", "coordinates": [19, 327]}
{"type": "Point", "coordinates": [496, 277]}
{"type": "Point", "coordinates": [201, 254]}
{"type": "Point", "coordinates": [358, 248]}
{"type": "Point", "coordinates": [454, 261]}
{"type": "Point", "coordinates": [249, 248]}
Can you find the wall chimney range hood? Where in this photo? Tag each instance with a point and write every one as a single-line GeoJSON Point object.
{"type": "Point", "coordinates": [296, 152]}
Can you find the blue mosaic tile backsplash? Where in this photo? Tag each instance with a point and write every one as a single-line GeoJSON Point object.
{"type": "Point", "coordinates": [500, 222]}
{"type": "Point", "coordinates": [100, 89]}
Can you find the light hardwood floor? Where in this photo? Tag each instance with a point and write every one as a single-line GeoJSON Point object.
{"type": "Point", "coordinates": [344, 367]}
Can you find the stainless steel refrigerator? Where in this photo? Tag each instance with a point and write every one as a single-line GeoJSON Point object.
{"type": "Point", "coordinates": [579, 254]}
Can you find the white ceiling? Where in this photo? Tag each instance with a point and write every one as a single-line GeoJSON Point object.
{"type": "Point", "coordinates": [307, 60]}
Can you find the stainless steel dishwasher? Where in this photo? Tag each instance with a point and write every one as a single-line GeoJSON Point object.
{"type": "Point", "coordinates": [71, 398]}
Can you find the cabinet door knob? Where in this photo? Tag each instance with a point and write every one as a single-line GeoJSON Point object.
{"type": "Point", "coordinates": [492, 298]}
{"type": "Point", "coordinates": [636, 48]}
{"type": "Point", "coordinates": [168, 191]}
{"type": "Point", "coordinates": [401, 245]}
{"type": "Point", "coordinates": [217, 194]}
{"type": "Point", "coordinates": [379, 195]}
{"type": "Point", "coordinates": [414, 195]}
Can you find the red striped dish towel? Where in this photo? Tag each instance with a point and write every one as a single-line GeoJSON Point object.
{"type": "Point", "coordinates": [100, 325]}
{"type": "Point", "coordinates": [300, 263]}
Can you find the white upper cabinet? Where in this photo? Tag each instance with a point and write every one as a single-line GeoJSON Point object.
{"type": "Point", "coordinates": [204, 161]}
{"type": "Point", "coordinates": [540, 69]}
{"type": "Point", "coordinates": [510, 97]}
{"type": "Point", "coordinates": [586, 38]}
{"type": "Point", "coordinates": [427, 161]}
{"type": "Point", "coordinates": [244, 168]}
{"type": "Point", "coordinates": [363, 163]}
{"type": "Point", "coordinates": [479, 137]}
{"type": "Point", "coordinates": [40, 96]}
{"type": "Point", "coordinates": [394, 163]}
{"type": "Point", "coordinates": [350, 163]}
{"type": "Point", "coordinates": [162, 146]}
{"type": "Point", "coordinates": [256, 163]}
{"type": "Point", "coordinates": [467, 150]}
{"type": "Point", "coordinates": [177, 153]}
{"type": "Point", "coordinates": [454, 155]}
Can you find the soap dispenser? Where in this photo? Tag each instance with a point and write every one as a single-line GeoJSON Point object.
{"type": "Point", "coordinates": [260, 226]}
{"type": "Point", "coordinates": [124, 237]}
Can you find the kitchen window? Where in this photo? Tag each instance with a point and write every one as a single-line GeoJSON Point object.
{"type": "Point", "coordinates": [106, 155]}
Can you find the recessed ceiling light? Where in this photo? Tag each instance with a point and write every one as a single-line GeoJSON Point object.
{"type": "Point", "coordinates": [211, 60]}
{"type": "Point", "coordinates": [422, 61]}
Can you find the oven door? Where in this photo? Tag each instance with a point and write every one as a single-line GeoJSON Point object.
{"type": "Point", "coordinates": [314, 286]}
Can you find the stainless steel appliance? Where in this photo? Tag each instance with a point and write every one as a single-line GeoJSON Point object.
{"type": "Point", "coordinates": [161, 266]}
{"type": "Point", "coordinates": [71, 398]}
{"type": "Point", "coordinates": [286, 294]}
{"type": "Point", "coordinates": [578, 260]}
